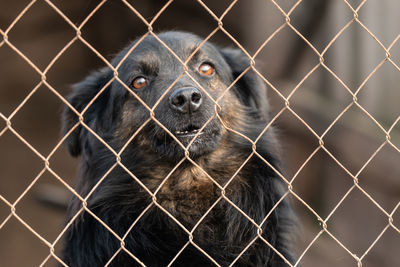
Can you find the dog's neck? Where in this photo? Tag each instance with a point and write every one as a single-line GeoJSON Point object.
{"type": "Point", "coordinates": [191, 188]}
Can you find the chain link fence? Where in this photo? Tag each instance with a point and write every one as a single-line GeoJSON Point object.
{"type": "Point", "coordinates": [286, 12]}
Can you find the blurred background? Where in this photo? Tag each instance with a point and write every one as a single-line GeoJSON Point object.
{"type": "Point", "coordinates": [355, 139]}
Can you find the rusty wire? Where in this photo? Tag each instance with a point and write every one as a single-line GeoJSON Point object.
{"type": "Point", "coordinates": [287, 180]}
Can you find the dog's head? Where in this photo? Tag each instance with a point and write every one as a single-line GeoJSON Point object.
{"type": "Point", "coordinates": [152, 80]}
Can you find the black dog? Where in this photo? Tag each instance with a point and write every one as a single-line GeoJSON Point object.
{"type": "Point", "coordinates": [187, 185]}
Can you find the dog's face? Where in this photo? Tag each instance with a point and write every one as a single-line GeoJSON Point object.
{"type": "Point", "coordinates": [183, 104]}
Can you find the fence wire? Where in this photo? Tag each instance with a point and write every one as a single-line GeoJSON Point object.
{"type": "Point", "coordinates": [324, 222]}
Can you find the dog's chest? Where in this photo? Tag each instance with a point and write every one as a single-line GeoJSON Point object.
{"type": "Point", "coordinates": [189, 193]}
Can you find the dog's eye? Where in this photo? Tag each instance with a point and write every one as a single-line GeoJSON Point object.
{"type": "Point", "coordinates": [206, 69]}
{"type": "Point", "coordinates": [139, 82]}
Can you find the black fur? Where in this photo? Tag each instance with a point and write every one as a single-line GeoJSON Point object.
{"type": "Point", "coordinates": [188, 193]}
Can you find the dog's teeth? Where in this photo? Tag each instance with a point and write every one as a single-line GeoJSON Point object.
{"type": "Point", "coordinates": [187, 132]}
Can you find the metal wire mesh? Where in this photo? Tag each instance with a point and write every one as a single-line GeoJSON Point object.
{"type": "Point", "coordinates": [324, 221]}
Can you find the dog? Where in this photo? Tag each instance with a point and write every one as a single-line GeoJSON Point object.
{"type": "Point", "coordinates": [183, 182]}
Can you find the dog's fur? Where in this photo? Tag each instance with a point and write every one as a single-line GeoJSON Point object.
{"type": "Point", "coordinates": [151, 156]}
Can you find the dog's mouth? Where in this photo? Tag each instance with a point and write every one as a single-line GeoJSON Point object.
{"type": "Point", "coordinates": [189, 131]}
{"type": "Point", "coordinates": [201, 140]}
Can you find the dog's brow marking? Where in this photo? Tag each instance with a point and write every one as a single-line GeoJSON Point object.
{"type": "Point", "coordinates": [197, 54]}
{"type": "Point", "coordinates": [149, 64]}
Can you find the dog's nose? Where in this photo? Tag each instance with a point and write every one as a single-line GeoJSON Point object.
{"type": "Point", "coordinates": [185, 100]}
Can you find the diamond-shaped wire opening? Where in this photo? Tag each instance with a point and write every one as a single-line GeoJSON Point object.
{"type": "Point", "coordinates": [43, 106]}
{"type": "Point", "coordinates": [25, 173]}
{"type": "Point", "coordinates": [368, 97]}
{"type": "Point", "coordinates": [284, 6]}
{"type": "Point", "coordinates": [364, 15]}
{"type": "Point", "coordinates": [325, 251]}
{"type": "Point", "coordinates": [354, 125]}
{"type": "Point", "coordinates": [77, 12]}
{"type": "Point", "coordinates": [12, 12]}
{"type": "Point", "coordinates": [396, 218]}
{"type": "Point", "coordinates": [355, 5]}
{"type": "Point", "coordinates": [353, 75]}
{"type": "Point", "coordinates": [383, 189]}
{"type": "Point", "coordinates": [103, 16]}
{"type": "Point", "coordinates": [14, 231]}
{"type": "Point", "coordinates": [373, 219]}
{"type": "Point", "coordinates": [327, 94]}
{"type": "Point", "coordinates": [301, 152]}
{"type": "Point", "coordinates": [63, 166]}
{"type": "Point", "coordinates": [220, 8]}
{"type": "Point", "coordinates": [194, 15]}
{"type": "Point", "coordinates": [104, 226]}
{"type": "Point", "coordinates": [383, 250]}
{"type": "Point", "coordinates": [66, 63]}
{"type": "Point", "coordinates": [331, 188]}
{"type": "Point", "coordinates": [4, 212]}
{"type": "Point", "coordinates": [395, 135]}
{"type": "Point", "coordinates": [29, 208]}
{"type": "Point", "coordinates": [307, 233]}
{"type": "Point", "coordinates": [26, 82]}
{"type": "Point", "coordinates": [51, 261]}
{"type": "Point", "coordinates": [395, 52]}
{"type": "Point", "coordinates": [40, 53]}
{"type": "Point", "coordinates": [273, 60]}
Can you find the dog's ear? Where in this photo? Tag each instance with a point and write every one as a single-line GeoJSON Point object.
{"type": "Point", "coordinates": [250, 88]}
{"type": "Point", "coordinates": [83, 93]}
